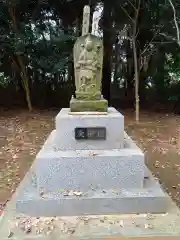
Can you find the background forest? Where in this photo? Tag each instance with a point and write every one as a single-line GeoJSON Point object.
{"type": "Point", "coordinates": [141, 52]}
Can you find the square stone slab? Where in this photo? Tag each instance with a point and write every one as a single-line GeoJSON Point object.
{"type": "Point", "coordinates": [66, 124]}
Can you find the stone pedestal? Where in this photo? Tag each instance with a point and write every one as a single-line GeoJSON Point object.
{"type": "Point", "coordinates": [79, 177]}
{"type": "Point", "coordinates": [100, 105]}
{"type": "Point", "coordinates": [66, 123]}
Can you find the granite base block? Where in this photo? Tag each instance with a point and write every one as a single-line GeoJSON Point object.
{"type": "Point", "coordinates": [66, 124]}
{"type": "Point", "coordinates": [150, 199]}
{"type": "Point", "coordinates": [72, 170]}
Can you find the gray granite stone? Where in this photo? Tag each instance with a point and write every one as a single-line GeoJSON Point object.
{"type": "Point", "coordinates": [149, 199]}
{"type": "Point", "coordinates": [78, 170]}
{"type": "Point", "coordinates": [130, 144]}
{"type": "Point", "coordinates": [66, 124]}
{"type": "Point", "coordinates": [123, 168]}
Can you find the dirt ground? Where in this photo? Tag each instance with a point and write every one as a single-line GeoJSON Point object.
{"type": "Point", "coordinates": [23, 133]}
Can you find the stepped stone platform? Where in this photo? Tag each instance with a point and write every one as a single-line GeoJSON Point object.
{"type": "Point", "coordinates": [105, 180]}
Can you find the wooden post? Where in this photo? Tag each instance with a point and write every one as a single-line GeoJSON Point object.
{"type": "Point", "coordinates": [95, 24]}
{"type": "Point", "coordinates": [86, 20]}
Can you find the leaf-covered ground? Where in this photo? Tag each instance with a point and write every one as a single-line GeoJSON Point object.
{"type": "Point", "coordinates": [23, 133]}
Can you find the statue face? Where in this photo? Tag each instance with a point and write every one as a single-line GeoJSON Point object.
{"type": "Point", "coordinates": [89, 46]}
{"type": "Point", "coordinates": [98, 47]}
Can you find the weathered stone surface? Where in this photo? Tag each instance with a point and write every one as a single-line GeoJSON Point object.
{"type": "Point", "coordinates": [88, 58]}
{"type": "Point", "coordinates": [88, 105]}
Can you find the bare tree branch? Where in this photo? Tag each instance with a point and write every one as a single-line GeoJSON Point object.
{"type": "Point", "coordinates": [175, 22]}
{"type": "Point", "coordinates": [163, 42]}
{"type": "Point", "coordinates": [151, 42]}
{"type": "Point", "coordinates": [132, 5]}
{"type": "Point", "coordinates": [168, 37]}
{"type": "Point", "coordinates": [128, 14]}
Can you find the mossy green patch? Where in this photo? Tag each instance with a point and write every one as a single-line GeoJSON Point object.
{"type": "Point", "coordinates": [89, 106]}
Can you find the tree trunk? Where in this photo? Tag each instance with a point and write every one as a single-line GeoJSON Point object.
{"type": "Point", "coordinates": [23, 73]}
{"type": "Point", "coordinates": [116, 60]}
{"type": "Point", "coordinates": [129, 87]}
{"type": "Point", "coordinates": [78, 27]}
{"type": "Point", "coordinates": [136, 77]}
{"type": "Point", "coordinates": [70, 67]}
{"type": "Point", "coordinates": [107, 33]}
{"type": "Point", "coordinates": [28, 99]}
{"type": "Point", "coordinates": [136, 63]}
{"type": "Point", "coordinates": [25, 81]}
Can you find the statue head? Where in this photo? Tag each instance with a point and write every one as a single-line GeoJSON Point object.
{"type": "Point", "coordinates": [89, 44]}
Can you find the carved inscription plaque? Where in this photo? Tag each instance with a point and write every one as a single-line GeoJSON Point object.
{"type": "Point", "coordinates": [94, 133]}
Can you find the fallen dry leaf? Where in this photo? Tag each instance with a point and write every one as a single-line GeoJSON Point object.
{"type": "Point", "coordinates": [92, 154]}
{"type": "Point", "coordinates": [10, 235]}
{"type": "Point", "coordinates": [121, 223]}
{"type": "Point", "coordinates": [77, 193]}
{"type": "Point", "coordinates": [148, 226]}
{"type": "Point", "coordinates": [41, 193]}
{"type": "Point", "coordinates": [73, 193]}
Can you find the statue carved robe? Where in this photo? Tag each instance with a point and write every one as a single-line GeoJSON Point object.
{"type": "Point", "coordinates": [88, 67]}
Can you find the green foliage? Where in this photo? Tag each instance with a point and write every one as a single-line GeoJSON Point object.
{"type": "Point", "coordinates": [42, 33]}
{"type": "Point", "coordinates": [4, 81]}
{"type": "Point", "coordinates": [173, 67]}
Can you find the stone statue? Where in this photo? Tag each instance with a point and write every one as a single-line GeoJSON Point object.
{"type": "Point", "coordinates": [88, 68]}
{"type": "Point", "coordinates": [88, 63]}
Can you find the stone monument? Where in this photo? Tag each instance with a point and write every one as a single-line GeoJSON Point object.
{"type": "Point", "coordinates": [88, 62]}
{"type": "Point", "coordinates": [90, 166]}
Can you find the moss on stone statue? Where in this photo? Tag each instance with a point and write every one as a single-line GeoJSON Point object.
{"type": "Point", "coordinates": [88, 106]}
